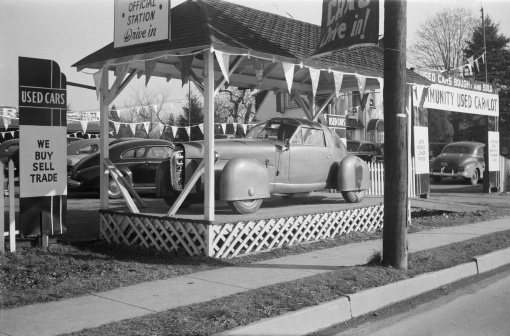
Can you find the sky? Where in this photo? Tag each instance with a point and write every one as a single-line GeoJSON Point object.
{"type": "Point", "coordinates": [65, 31]}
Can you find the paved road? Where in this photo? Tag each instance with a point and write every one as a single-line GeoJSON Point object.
{"type": "Point", "coordinates": [473, 308]}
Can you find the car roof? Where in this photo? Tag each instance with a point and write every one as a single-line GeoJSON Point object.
{"type": "Point", "coordinates": [140, 142]}
{"type": "Point", "coordinates": [8, 143]}
{"type": "Point", "coordinates": [466, 143]}
{"type": "Point", "coordinates": [294, 121]}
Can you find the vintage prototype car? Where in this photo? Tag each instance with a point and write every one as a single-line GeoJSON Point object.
{"type": "Point", "coordinates": [281, 156]}
{"type": "Point", "coordinates": [460, 159]}
{"type": "Point", "coordinates": [137, 160]}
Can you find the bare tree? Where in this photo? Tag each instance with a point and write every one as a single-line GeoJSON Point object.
{"type": "Point", "coordinates": [233, 103]}
{"type": "Point", "coordinates": [441, 40]}
{"type": "Point", "coordinates": [148, 105]}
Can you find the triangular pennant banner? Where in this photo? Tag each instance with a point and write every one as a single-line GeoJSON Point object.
{"type": "Point", "coordinates": [419, 92]}
{"type": "Point", "coordinates": [288, 69]}
{"type": "Point", "coordinates": [149, 69]}
{"type": "Point", "coordinates": [201, 126]}
{"type": "Point", "coordinates": [185, 62]}
{"type": "Point", "coordinates": [7, 121]}
{"type": "Point", "coordinates": [120, 71]}
{"type": "Point", "coordinates": [224, 62]}
{"type": "Point", "coordinates": [470, 67]}
{"type": "Point", "coordinates": [146, 125]}
{"type": "Point", "coordinates": [423, 96]}
{"type": "Point", "coordinates": [477, 66]}
{"type": "Point", "coordinates": [12, 133]}
{"type": "Point", "coordinates": [235, 127]}
{"type": "Point", "coordinates": [98, 76]}
{"type": "Point", "coordinates": [244, 126]}
{"type": "Point", "coordinates": [187, 130]}
{"type": "Point", "coordinates": [155, 108]}
{"type": "Point", "coordinates": [133, 128]}
{"type": "Point", "coordinates": [84, 126]}
{"type": "Point", "coordinates": [116, 125]}
{"type": "Point", "coordinates": [362, 80]}
{"type": "Point", "coordinates": [339, 78]}
{"type": "Point", "coordinates": [223, 126]}
{"type": "Point", "coordinates": [314, 77]}
{"type": "Point", "coordinates": [174, 130]}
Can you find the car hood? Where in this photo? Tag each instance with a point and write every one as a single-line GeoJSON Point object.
{"type": "Point", "coordinates": [453, 159]}
{"type": "Point", "coordinates": [230, 148]}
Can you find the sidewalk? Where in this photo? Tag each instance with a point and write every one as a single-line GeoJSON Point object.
{"type": "Point", "coordinates": [93, 310]}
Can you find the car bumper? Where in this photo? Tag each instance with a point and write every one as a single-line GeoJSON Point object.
{"type": "Point", "coordinates": [450, 173]}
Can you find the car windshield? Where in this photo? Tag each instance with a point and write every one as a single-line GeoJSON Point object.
{"type": "Point", "coordinates": [456, 149]}
{"type": "Point", "coordinates": [352, 146]}
{"type": "Point", "coordinates": [273, 130]}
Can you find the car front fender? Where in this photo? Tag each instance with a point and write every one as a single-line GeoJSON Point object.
{"type": "Point", "coordinates": [353, 174]}
{"type": "Point", "coordinates": [243, 179]}
{"type": "Point", "coordinates": [162, 179]}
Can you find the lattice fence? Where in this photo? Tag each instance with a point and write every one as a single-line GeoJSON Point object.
{"type": "Point", "coordinates": [237, 238]}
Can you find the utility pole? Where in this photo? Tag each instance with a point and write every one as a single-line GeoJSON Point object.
{"type": "Point", "coordinates": [395, 137]}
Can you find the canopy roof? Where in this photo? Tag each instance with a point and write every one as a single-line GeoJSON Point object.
{"type": "Point", "coordinates": [254, 40]}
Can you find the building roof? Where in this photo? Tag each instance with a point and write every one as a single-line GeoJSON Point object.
{"type": "Point", "coordinates": [197, 25]}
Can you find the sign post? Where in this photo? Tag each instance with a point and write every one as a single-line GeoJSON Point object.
{"type": "Point", "coordinates": [42, 164]}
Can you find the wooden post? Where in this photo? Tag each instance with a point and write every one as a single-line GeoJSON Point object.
{"type": "Point", "coordinates": [104, 152]}
{"type": "Point", "coordinates": [395, 142]}
{"type": "Point", "coordinates": [12, 209]}
{"type": "Point", "coordinates": [209, 136]}
{"type": "Point", "coordinates": [2, 209]}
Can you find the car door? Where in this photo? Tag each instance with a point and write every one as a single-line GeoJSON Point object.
{"type": "Point", "coordinates": [309, 160]}
{"type": "Point", "coordinates": [133, 160]}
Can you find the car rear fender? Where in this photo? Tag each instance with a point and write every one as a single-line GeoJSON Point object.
{"type": "Point", "coordinates": [243, 179]}
{"type": "Point", "coordinates": [352, 174]}
{"type": "Point", "coordinates": [127, 174]}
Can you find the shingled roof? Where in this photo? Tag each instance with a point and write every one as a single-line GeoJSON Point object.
{"type": "Point", "coordinates": [198, 24]}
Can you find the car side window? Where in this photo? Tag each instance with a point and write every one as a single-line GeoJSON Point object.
{"type": "Point", "coordinates": [481, 151]}
{"type": "Point", "coordinates": [89, 149]}
{"type": "Point", "coordinates": [158, 152]}
{"type": "Point", "coordinates": [371, 148]}
{"type": "Point", "coordinates": [133, 153]}
{"type": "Point", "coordinates": [313, 137]}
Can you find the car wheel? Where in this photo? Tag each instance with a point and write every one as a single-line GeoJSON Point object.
{"type": "Point", "coordinates": [113, 189]}
{"type": "Point", "coordinates": [170, 200]}
{"type": "Point", "coordinates": [354, 196]}
{"type": "Point", "coordinates": [474, 177]}
{"type": "Point", "coordinates": [245, 206]}
{"type": "Point", "coordinates": [437, 179]}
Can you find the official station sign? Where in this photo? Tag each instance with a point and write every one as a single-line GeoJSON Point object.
{"type": "Point", "coordinates": [141, 21]}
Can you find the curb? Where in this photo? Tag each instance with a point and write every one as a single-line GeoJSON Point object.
{"type": "Point", "coordinates": [325, 315]}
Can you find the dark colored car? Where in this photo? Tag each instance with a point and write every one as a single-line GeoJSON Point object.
{"type": "Point", "coordinates": [137, 160]}
{"type": "Point", "coordinates": [7, 148]}
{"type": "Point", "coordinates": [363, 149]}
{"type": "Point", "coordinates": [281, 156]}
{"type": "Point", "coordinates": [464, 159]}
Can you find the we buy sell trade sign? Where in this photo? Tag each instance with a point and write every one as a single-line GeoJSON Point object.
{"type": "Point", "coordinates": [43, 154]}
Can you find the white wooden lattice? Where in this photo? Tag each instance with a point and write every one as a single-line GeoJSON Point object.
{"type": "Point", "coordinates": [237, 238]}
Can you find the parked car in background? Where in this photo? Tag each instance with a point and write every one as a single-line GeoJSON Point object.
{"type": "Point", "coordinates": [72, 139]}
{"type": "Point", "coordinates": [137, 160]}
{"type": "Point", "coordinates": [363, 149]}
{"type": "Point", "coordinates": [281, 156]}
{"type": "Point", "coordinates": [7, 148]}
{"type": "Point", "coordinates": [464, 159]}
{"type": "Point", "coordinates": [77, 150]}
